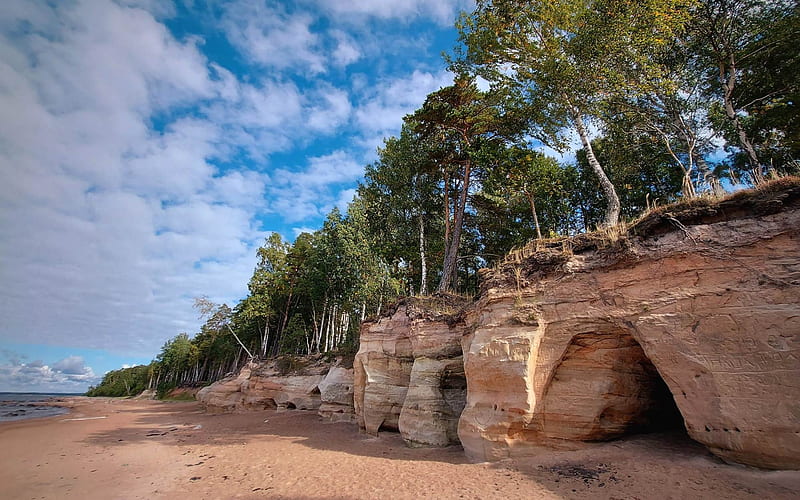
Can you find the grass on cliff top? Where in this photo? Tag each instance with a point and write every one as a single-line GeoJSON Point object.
{"type": "Point", "coordinates": [768, 198]}
{"type": "Point", "coordinates": [438, 306]}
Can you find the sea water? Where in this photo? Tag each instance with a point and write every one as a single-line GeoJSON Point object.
{"type": "Point", "coordinates": [24, 405]}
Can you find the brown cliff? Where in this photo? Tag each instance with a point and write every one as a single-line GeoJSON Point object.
{"type": "Point", "coordinates": [689, 319]}
{"type": "Point", "coordinates": [286, 383]}
{"type": "Point", "coordinates": [693, 310]}
{"type": "Point", "coordinates": [409, 371]}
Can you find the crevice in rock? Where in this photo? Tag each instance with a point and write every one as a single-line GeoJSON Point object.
{"type": "Point", "coordinates": [454, 391]}
{"type": "Point", "coordinates": [386, 427]}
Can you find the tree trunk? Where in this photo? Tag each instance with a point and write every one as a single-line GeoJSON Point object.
{"type": "Point", "coordinates": [423, 284]}
{"type": "Point", "coordinates": [529, 195]}
{"type": "Point", "coordinates": [241, 344]}
{"type": "Point", "coordinates": [318, 325]}
{"type": "Point", "coordinates": [709, 177]}
{"type": "Point", "coordinates": [727, 76]}
{"type": "Point", "coordinates": [279, 336]}
{"type": "Point", "coordinates": [265, 339]}
{"type": "Point", "coordinates": [328, 328]}
{"type": "Point", "coordinates": [450, 268]}
{"type": "Point", "coordinates": [446, 192]}
{"type": "Point", "coordinates": [613, 209]}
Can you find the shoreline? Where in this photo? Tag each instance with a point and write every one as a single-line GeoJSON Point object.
{"type": "Point", "coordinates": [122, 448]}
{"type": "Point", "coordinates": [16, 410]}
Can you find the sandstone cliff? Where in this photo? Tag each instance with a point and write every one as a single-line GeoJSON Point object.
{"type": "Point", "coordinates": [688, 319]}
{"type": "Point", "coordinates": [693, 310]}
{"type": "Point", "coordinates": [285, 383]}
{"type": "Point", "coordinates": [409, 372]}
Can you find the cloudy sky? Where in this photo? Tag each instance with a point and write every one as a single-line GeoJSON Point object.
{"type": "Point", "coordinates": [148, 147]}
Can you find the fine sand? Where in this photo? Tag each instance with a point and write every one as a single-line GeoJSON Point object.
{"type": "Point", "coordinates": [110, 448]}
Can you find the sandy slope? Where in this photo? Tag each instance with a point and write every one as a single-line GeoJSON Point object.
{"type": "Point", "coordinates": [149, 449]}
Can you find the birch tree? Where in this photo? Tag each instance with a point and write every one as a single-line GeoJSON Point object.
{"type": "Point", "coordinates": [564, 57]}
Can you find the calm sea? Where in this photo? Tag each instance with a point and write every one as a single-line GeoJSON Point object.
{"type": "Point", "coordinates": [23, 405]}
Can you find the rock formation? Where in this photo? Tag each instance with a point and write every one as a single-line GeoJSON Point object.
{"type": "Point", "coordinates": [285, 383]}
{"type": "Point", "coordinates": [575, 343]}
{"type": "Point", "coordinates": [409, 372]}
{"type": "Point", "coordinates": [690, 318]}
{"type": "Point", "coordinates": [336, 395]}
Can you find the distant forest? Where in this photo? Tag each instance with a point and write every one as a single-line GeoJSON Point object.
{"type": "Point", "coordinates": [669, 99]}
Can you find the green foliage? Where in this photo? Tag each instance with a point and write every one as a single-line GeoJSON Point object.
{"type": "Point", "coordinates": [747, 51]}
{"type": "Point", "coordinates": [124, 382]}
{"type": "Point", "coordinates": [165, 388]}
{"type": "Point", "coordinates": [295, 337]}
{"type": "Point", "coordinates": [401, 194]}
{"type": "Point", "coordinates": [287, 364]}
{"type": "Point", "coordinates": [564, 59]}
{"type": "Point", "coordinates": [468, 127]}
{"type": "Point", "coordinates": [178, 354]}
{"type": "Point", "coordinates": [525, 189]}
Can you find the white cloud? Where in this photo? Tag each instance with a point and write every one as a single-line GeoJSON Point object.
{"type": "Point", "coordinates": [443, 12]}
{"type": "Point", "coordinates": [72, 365]}
{"type": "Point", "coordinates": [314, 191]}
{"type": "Point", "coordinates": [346, 51]}
{"type": "Point", "coordinates": [273, 37]}
{"type": "Point", "coordinates": [158, 8]}
{"type": "Point", "coordinates": [381, 112]}
{"type": "Point", "coordinates": [110, 227]}
{"type": "Point", "coordinates": [272, 115]}
{"type": "Point", "coordinates": [345, 198]}
{"type": "Point", "coordinates": [132, 167]}
{"type": "Point", "coordinates": [330, 110]}
{"type": "Point", "coordinates": [297, 231]}
{"type": "Point", "coordinates": [173, 165]}
{"type": "Point", "coordinates": [67, 375]}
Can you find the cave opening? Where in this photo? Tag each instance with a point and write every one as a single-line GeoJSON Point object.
{"type": "Point", "coordinates": [453, 386]}
{"type": "Point", "coordinates": [606, 387]}
{"type": "Point", "coordinates": [387, 427]}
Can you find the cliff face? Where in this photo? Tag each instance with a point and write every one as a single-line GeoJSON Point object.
{"type": "Point", "coordinates": [702, 313]}
{"type": "Point", "coordinates": [409, 373]}
{"type": "Point", "coordinates": [689, 319]}
{"type": "Point", "coordinates": [285, 383]}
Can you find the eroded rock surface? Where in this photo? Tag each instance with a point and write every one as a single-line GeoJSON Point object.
{"type": "Point", "coordinates": [437, 391]}
{"type": "Point", "coordinates": [336, 395]}
{"type": "Point", "coordinates": [573, 346]}
{"type": "Point", "coordinates": [409, 373]}
{"type": "Point", "coordinates": [311, 385]}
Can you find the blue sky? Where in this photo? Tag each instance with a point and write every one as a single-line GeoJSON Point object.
{"type": "Point", "coordinates": [147, 148]}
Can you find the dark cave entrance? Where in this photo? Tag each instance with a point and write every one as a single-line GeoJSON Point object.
{"type": "Point", "coordinates": [453, 386]}
{"type": "Point", "coordinates": [606, 387]}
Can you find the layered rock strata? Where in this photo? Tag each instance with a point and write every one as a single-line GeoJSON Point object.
{"type": "Point", "coordinates": [311, 385]}
{"type": "Point", "coordinates": [409, 372]}
{"type": "Point", "coordinates": [336, 395]}
{"type": "Point", "coordinates": [572, 344]}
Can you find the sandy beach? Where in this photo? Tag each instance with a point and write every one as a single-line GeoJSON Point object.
{"type": "Point", "coordinates": [127, 449]}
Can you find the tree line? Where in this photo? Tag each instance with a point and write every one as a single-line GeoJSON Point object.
{"type": "Point", "coordinates": [667, 99]}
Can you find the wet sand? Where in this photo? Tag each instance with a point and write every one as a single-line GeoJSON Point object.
{"type": "Point", "coordinates": [109, 448]}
